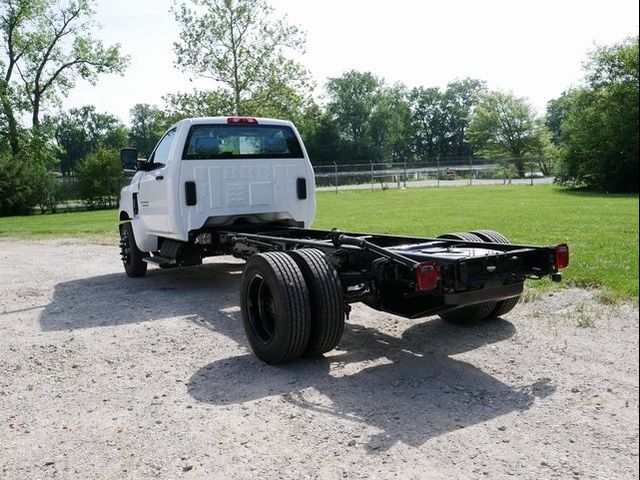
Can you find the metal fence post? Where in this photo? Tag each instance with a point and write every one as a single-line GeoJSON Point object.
{"type": "Point", "coordinates": [438, 172]}
{"type": "Point", "coordinates": [470, 170]}
{"type": "Point", "coordinates": [405, 173]}
{"type": "Point", "coordinates": [531, 174]}
{"type": "Point", "coordinates": [372, 176]}
{"type": "Point", "coordinates": [335, 170]}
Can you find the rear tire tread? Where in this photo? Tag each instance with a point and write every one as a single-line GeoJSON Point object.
{"type": "Point", "coordinates": [503, 306]}
{"type": "Point", "coordinates": [293, 324]}
{"type": "Point", "coordinates": [471, 313]}
{"type": "Point", "coordinates": [326, 297]}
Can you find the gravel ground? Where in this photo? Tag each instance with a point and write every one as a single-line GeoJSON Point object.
{"type": "Point", "coordinates": [108, 377]}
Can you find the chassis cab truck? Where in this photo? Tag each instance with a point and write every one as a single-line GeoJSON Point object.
{"type": "Point", "coordinates": [245, 187]}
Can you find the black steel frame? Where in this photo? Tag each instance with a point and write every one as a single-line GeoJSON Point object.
{"type": "Point", "coordinates": [380, 270]}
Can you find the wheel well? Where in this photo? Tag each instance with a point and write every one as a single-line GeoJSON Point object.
{"type": "Point", "coordinates": [124, 215]}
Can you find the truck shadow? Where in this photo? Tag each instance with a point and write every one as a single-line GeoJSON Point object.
{"type": "Point", "coordinates": [115, 299]}
{"type": "Point", "coordinates": [415, 391]}
{"type": "Point", "coordinates": [408, 387]}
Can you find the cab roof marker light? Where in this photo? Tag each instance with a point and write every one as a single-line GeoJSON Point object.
{"type": "Point", "coordinates": [241, 120]}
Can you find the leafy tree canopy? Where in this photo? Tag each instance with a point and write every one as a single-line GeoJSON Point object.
{"type": "Point", "coordinates": [82, 131]}
{"type": "Point", "coordinates": [504, 125]}
{"type": "Point", "coordinates": [599, 131]}
{"type": "Point", "coordinates": [148, 124]}
{"type": "Point", "coordinates": [241, 46]}
{"type": "Point", "coordinates": [47, 45]}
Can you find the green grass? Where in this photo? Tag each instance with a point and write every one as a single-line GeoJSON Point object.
{"type": "Point", "coordinates": [100, 225]}
{"type": "Point", "coordinates": [601, 230]}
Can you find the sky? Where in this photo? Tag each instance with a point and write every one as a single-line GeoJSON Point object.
{"type": "Point", "coordinates": [533, 48]}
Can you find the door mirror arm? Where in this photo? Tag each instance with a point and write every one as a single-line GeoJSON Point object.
{"type": "Point", "coordinates": [145, 166]}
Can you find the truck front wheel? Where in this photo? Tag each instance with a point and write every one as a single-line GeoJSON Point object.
{"type": "Point", "coordinates": [276, 312]}
{"type": "Point", "coordinates": [132, 256]}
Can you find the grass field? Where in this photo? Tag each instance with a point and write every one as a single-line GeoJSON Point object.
{"type": "Point", "coordinates": [601, 230]}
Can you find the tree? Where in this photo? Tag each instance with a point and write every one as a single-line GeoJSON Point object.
{"type": "Point", "coordinates": [100, 178]}
{"type": "Point", "coordinates": [199, 103]}
{"type": "Point", "coordinates": [505, 126]}
{"type": "Point", "coordinates": [440, 118]}
{"type": "Point", "coordinates": [15, 15]}
{"type": "Point", "coordinates": [239, 45]}
{"type": "Point", "coordinates": [82, 131]}
{"type": "Point", "coordinates": [557, 111]}
{"type": "Point", "coordinates": [459, 100]}
{"type": "Point", "coordinates": [25, 178]}
{"type": "Point", "coordinates": [390, 122]}
{"type": "Point", "coordinates": [427, 121]}
{"type": "Point", "coordinates": [49, 44]}
{"type": "Point", "coordinates": [321, 137]}
{"type": "Point", "coordinates": [148, 124]}
{"type": "Point", "coordinates": [599, 140]}
{"type": "Point", "coordinates": [352, 98]}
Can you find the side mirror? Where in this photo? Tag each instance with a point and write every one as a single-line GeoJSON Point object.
{"type": "Point", "coordinates": [143, 165]}
{"type": "Point", "coordinates": [129, 159]}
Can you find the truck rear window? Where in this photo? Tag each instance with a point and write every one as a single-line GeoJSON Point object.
{"type": "Point", "coordinates": [219, 141]}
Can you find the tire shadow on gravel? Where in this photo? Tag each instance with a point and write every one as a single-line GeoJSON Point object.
{"type": "Point", "coordinates": [415, 391]}
{"type": "Point", "coordinates": [115, 299]}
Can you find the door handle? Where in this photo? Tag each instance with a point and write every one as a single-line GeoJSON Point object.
{"type": "Point", "coordinates": [160, 177]}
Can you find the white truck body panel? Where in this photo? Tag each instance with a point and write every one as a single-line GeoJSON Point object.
{"type": "Point", "coordinates": [259, 190]}
{"type": "Point", "coordinates": [262, 189]}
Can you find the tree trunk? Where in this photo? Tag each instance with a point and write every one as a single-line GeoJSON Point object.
{"type": "Point", "coordinates": [14, 141]}
{"type": "Point", "coordinates": [519, 164]}
{"type": "Point", "coordinates": [35, 118]}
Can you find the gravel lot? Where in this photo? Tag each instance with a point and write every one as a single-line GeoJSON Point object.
{"type": "Point", "coordinates": [108, 377]}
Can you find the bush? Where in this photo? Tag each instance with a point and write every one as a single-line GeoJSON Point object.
{"type": "Point", "coordinates": [15, 191]}
{"type": "Point", "coordinates": [49, 192]}
{"type": "Point", "coordinates": [100, 178]}
{"type": "Point", "coordinates": [599, 129]}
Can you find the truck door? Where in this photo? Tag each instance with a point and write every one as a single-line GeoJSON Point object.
{"type": "Point", "coordinates": [152, 196]}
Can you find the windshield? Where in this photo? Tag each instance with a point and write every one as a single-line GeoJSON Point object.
{"type": "Point", "coordinates": [219, 141]}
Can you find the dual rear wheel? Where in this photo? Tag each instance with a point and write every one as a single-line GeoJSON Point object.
{"type": "Point", "coordinates": [485, 310]}
{"type": "Point", "coordinates": [292, 305]}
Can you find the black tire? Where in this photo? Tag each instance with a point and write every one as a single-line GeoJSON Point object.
{"type": "Point", "coordinates": [464, 236]}
{"type": "Point", "coordinates": [327, 300]}
{"type": "Point", "coordinates": [132, 257]}
{"type": "Point", "coordinates": [472, 313]}
{"type": "Point", "coordinates": [276, 312]}
{"type": "Point", "coordinates": [491, 236]}
{"type": "Point", "coordinates": [503, 306]}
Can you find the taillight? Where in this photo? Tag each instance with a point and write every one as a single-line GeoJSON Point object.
{"type": "Point", "coordinates": [562, 255]}
{"type": "Point", "coordinates": [241, 120]}
{"type": "Point", "coordinates": [427, 276]}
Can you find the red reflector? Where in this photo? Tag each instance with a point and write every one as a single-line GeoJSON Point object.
{"type": "Point", "coordinates": [427, 276]}
{"type": "Point", "coordinates": [562, 255]}
{"type": "Point", "coordinates": [237, 120]}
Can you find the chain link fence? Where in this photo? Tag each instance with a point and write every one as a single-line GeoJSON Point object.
{"type": "Point", "coordinates": [433, 173]}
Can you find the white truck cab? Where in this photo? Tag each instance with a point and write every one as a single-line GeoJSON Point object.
{"type": "Point", "coordinates": [216, 172]}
